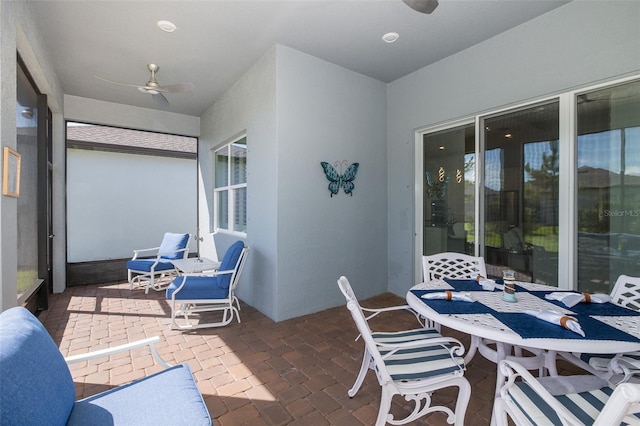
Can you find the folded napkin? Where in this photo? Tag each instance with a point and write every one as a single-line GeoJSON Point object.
{"type": "Point", "coordinates": [571, 299]}
{"type": "Point", "coordinates": [448, 295]}
{"type": "Point", "coordinates": [565, 321]}
{"type": "Point", "coordinates": [486, 283]}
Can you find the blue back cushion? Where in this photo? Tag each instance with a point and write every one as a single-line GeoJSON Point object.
{"type": "Point", "coordinates": [36, 386]}
{"type": "Point", "coordinates": [229, 262]}
{"type": "Point", "coordinates": [173, 242]}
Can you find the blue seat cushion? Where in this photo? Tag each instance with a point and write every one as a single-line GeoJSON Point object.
{"type": "Point", "coordinates": [197, 287]}
{"type": "Point", "coordinates": [173, 243]}
{"type": "Point", "coordinates": [146, 264]}
{"type": "Point", "coordinates": [229, 262]}
{"type": "Point", "coordinates": [36, 386]}
{"type": "Point", "coordinates": [169, 397]}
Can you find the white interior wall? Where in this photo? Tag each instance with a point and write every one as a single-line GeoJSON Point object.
{"type": "Point", "coordinates": [118, 202]}
{"type": "Point", "coordinates": [574, 45]}
{"type": "Point", "coordinates": [112, 114]}
{"type": "Point", "coordinates": [297, 111]}
{"type": "Point", "coordinates": [328, 113]}
{"type": "Point", "coordinates": [249, 105]}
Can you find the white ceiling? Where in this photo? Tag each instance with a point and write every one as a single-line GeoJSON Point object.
{"type": "Point", "coordinates": [219, 40]}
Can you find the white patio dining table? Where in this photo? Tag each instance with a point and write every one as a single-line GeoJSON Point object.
{"type": "Point", "coordinates": [608, 328]}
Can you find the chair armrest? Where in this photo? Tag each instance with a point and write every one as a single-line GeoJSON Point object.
{"type": "Point", "coordinates": [138, 252]}
{"type": "Point", "coordinates": [457, 347]}
{"type": "Point", "coordinates": [512, 370]}
{"type": "Point", "coordinates": [151, 342]}
{"type": "Point", "coordinates": [208, 273]}
{"type": "Point", "coordinates": [377, 311]}
{"type": "Point", "coordinates": [451, 345]}
{"type": "Point", "coordinates": [621, 364]}
{"type": "Point", "coordinates": [618, 405]}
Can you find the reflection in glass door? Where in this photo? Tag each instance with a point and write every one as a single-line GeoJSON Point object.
{"type": "Point", "coordinates": [521, 183]}
{"type": "Point", "coordinates": [608, 186]}
{"type": "Point", "coordinates": [448, 178]}
{"type": "Point", "coordinates": [29, 119]}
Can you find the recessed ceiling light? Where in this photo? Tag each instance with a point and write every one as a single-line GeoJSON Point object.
{"type": "Point", "coordinates": [166, 26]}
{"type": "Point", "coordinates": [390, 37]}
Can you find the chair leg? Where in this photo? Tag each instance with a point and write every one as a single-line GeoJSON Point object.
{"type": "Point", "coordinates": [499, 413]}
{"type": "Point", "coordinates": [366, 362]}
{"type": "Point", "coordinates": [149, 283]}
{"type": "Point", "coordinates": [464, 395]}
{"type": "Point", "coordinates": [385, 407]}
{"type": "Point", "coordinates": [236, 312]}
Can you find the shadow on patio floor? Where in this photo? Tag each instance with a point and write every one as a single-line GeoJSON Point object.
{"type": "Point", "coordinates": [295, 372]}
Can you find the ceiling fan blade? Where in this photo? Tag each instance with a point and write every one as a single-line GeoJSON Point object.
{"type": "Point", "coordinates": [160, 100]}
{"type": "Point", "coordinates": [422, 6]}
{"type": "Point", "coordinates": [177, 88]}
{"type": "Point", "coordinates": [115, 82]}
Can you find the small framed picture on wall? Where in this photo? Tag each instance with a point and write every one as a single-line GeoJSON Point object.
{"type": "Point", "coordinates": [11, 173]}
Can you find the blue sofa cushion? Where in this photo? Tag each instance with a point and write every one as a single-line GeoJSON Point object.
{"type": "Point", "coordinates": [172, 243]}
{"type": "Point", "coordinates": [229, 262]}
{"type": "Point", "coordinates": [169, 397]}
{"type": "Point", "coordinates": [36, 386]}
{"type": "Point", "coordinates": [146, 264]}
{"type": "Point", "coordinates": [197, 287]}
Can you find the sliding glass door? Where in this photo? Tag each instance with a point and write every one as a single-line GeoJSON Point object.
{"type": "Point", "coordinates": [448, 182]}
{"type": "Point", "coordinates": [528, 199]}
{"type": "Point", "coordinates": [608, 186]}
{"type": "Point", "coordinates": [521, 186]}
{"type": "Point", "coordinates": [33, 147]}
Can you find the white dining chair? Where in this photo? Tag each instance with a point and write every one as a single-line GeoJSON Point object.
{"type": "Point", "coordinates": [410, 363]}
{"type": "Point", "coordinates": [452, 265]}
{"type": "Point", "coordinates": [449, 265]}
{"type": "Point", "coordinates": [563, 400]}
{"type": "Point", "coordinates": [626, 293]}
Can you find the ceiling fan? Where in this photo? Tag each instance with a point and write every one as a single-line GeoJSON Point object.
{"type": "Point", "coordinates": [422, 6]}
{"type": "Point", "coordinates": [154, 89]}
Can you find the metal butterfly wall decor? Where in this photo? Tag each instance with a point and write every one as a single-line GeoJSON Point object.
{"type": "Point", "coordinates": [337, 180]}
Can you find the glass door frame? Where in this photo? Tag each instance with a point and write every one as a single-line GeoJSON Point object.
{"type": "Point", "coordinates": [567, 203]}
{"type": "Point", "coordinates": [418, 186]}
{"type": "Point", "coordinates": [35, 298]}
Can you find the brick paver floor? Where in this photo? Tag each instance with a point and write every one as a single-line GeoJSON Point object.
{"type": "Point", "coordinates": [258, 372]}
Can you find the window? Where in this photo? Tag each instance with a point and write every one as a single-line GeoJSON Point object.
{"type": "Point", "coordinates": [230, 186]}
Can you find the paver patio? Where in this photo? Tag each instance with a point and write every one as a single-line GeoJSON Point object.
{"type": "Point", "coordinates": [294, 372]}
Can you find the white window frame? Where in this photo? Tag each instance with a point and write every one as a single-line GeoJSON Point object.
{"type": "Point", "coordinates": [230, 189]}
{"type": "Point", "coordinates": [567, 238]}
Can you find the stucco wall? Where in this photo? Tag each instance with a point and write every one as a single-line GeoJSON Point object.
{"type": "Point", "coordinates": [248, 106]}
{"type": "Point", "coordinates": [297, 111]}
{"type": "Point", "coordinates": [328, 113]}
